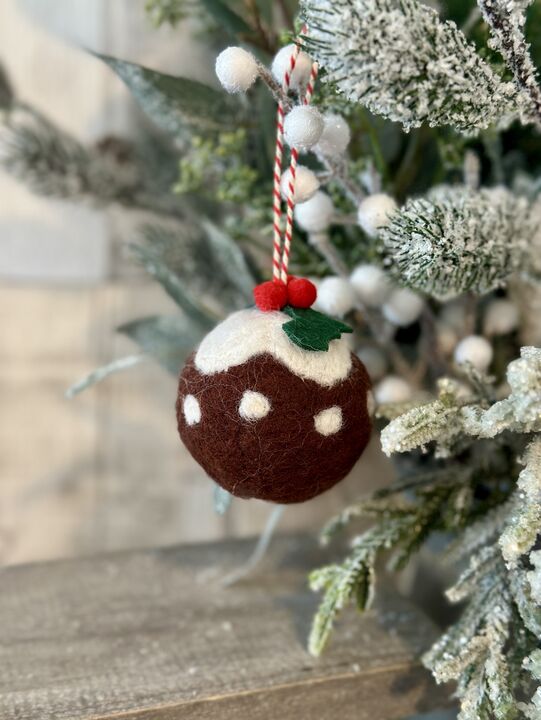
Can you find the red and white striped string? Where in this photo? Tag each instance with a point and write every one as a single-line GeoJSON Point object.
{"type": "Point", "coordinates": [280, 257]}
{"type": "Point", "coordinates": [277, 198]}
{"type": "Point", "coordinates": [288, 235]}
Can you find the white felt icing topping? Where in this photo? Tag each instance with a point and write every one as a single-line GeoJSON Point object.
{"type": "Point", "coordinates": [248, 333]}
{"type": "Point", "coordinates": [329, 421]}
{"type": "Point", "coordinates": [191, 410]}
{"type": "Point", "coordinates": [254, 405]}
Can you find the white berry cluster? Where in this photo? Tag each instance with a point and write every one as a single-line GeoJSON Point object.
{"type": "Point", "coordinates": [500, 316]}
{"type": "Point", "coordinates": [369, 288]}
{"type": "Point", "coordinates": [326, 135]}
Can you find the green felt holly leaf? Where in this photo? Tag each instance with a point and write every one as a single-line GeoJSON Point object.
{"type": "Point", "coordinates": [311, 330]}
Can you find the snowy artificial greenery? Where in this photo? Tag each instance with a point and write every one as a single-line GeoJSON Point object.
{"type": "Point", "coordinates": [506, 20]}
{"type": "Point", "coordinates": [462, 244]}
{"type": "Point", "coordinates": [57, 165]}
{"type": "Point", "coordinates": [402, 62]}
{"type": "Point", "coordinates": [533, 665]}
{"type": "Point", "coordinates": [485, 650]}
{"type": "Point", "coordinates": [458, 240]}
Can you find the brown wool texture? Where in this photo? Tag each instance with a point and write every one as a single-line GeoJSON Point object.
{"type": "Point", "coordinates": [280, 458]}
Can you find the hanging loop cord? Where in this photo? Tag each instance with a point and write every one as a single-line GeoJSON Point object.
{"type": "Point", "coordinates": [277, 197]}
{"type": "Point", "coordinates": [282, 248]}
{"type": "Point", "coordinates": [288, 236]}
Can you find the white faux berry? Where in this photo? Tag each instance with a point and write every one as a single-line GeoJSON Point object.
{"type": "Point", "coordinates": [374, 213]}
{"type": "Point", "coordinates": [303, 127]}
{"type": "Point", "coordinates": [315, 215]}
{"type": "Point", "coordinates": [236, 69]}
{"type": "Point", "coordinates": [335, 296]}
{"type": "Point", "coordinates": [306, 184]}
{"type": "Point", "coordinates": [403, 307]}
{"type": "Point", "coordinates": [335, 136]}
{"type": "Point", "coordinates": [501, 318]}
{"type": "Point", "coordinates": [371, 284]}
{"type": "Point", "coordinates": [282, 63]}
{"type": "Point", "coordinates": [374, 361]}
{"type": "Point", "coordinates": [475, 350]}
{"type": "Point", "coordinates": [392, 389]}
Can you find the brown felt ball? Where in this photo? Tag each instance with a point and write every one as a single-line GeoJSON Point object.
{"type": "Point", "coordinates": [267, 419]}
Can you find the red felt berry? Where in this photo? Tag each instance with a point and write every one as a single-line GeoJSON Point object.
{"type": "Point", "coordinates": [270, 295]}
{"type": "Point", "coordinates": [301, 293]}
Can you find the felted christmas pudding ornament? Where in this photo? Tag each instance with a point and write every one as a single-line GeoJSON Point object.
{"type": "Point", "coordinates": [266, 413]}
{"type": "Point", "coordinates": [273, 405]}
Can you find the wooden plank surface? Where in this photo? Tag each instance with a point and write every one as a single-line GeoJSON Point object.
{"type": "Point", "coordinates": [152, 635]}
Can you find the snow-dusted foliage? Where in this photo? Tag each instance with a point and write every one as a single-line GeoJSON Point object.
{"type": "Point", "coordinates": [534, 577]}
{"type": "Point", "coordinates": [459, 412]}
{"type": "Point", "coordinates": [433, 421]}
{"type": "Point", "coordinates": [524, 521]}
{"type": "Point", "coordinates": [473, 651]}
{"type": "Point", "coordinates": [506, 20]}
{"type": "Point", "coordinates": [457, 240]}
{"type": "Point", "coordinates": [501, 623]}
{"type": "Point", "coordinates": [400, 60]}
{"type": "Point", "coordinates": [533, 666]}
{"type": "Point", "coordinates": [520, 411]}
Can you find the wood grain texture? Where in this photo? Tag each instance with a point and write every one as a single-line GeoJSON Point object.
{"type": "Point", "coordinates": [152, 636]}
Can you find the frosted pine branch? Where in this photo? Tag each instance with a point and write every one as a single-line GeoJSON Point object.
{"type": "Point", "coordinates": [506, 19]}
{"type": "Point", "coordinates": [485, 560]}
{"type": "Point", "coordinates": [448, 417]}
{"type": "Point", "coordinates": [521, 410]}
{"type": "Point", "coordinates": [533, 666]}
{"type": "Point", "coordinates": [480, 533]}
{"type": "Point", "coordinates": [456, 240]}
{"type": "Point", "coordinates": [420, 426]}
{"type": "Point", "coordinates": [353, 580]}
{"type": "Point", "coordinates": [475, 651]}
{"type": "Point", "coordinates": [534, 577]}
{"type": "Point", "coordinates": [401, 61]}
{"type": "Point", "coordinates": [528, 606]}
{"type": "Point", "coordinates": [400, 527]}
{"type": "Point", "coordinates": [54, 164]}
{"type": "Point", "coordinates": [524, 521]}
{"type": "Point", "coordinates": [438, 421]}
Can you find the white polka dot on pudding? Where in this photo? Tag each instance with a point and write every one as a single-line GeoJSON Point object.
{"type": "Point", "coordinates": [254, 405]}
{"type": "Point", "coordinates": [329, 421]}
{"type": "Point", "coordinates": [191, 410]}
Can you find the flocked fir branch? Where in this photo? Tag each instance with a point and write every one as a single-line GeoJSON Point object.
{"type": "Point", "coordinates": [456, 240]}
{"type": "Point", "coordinates": [401, 61]}
{"type": "Point", "coordinates": [54, 164]}
{"type": "Point", "coordinates": [487, 648]}
{"type": "Point", "coordinates": [443, 500]}
{"type": "Point", "coordinates": [532, 664]}
{"type": "Point", "coordinates": [524, 518]}
{"type": "Point", "coordinates": [507, 20]}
